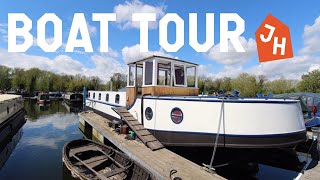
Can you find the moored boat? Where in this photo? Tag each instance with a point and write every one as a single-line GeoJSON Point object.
{"type": "Point", "coordinates": [73, 98]}
{"type": "Point", "coordinates": [87, 159]}
{"type": "Point", "coordinates": [162, 94]}
{"type": "Point", "coordinates": [55, 96]}
{"type": "Point", "coordinates": [43, 98]}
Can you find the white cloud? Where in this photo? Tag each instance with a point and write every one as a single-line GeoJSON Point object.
{"type": "Point", "coordinates": [311, 36]}
{"type": "Point", "coordinates": [46, 142]}
{"type": "Point", "coordinates": [131, 54]}
{"type": "Point", "coordinates": [124, 13]}
{"type": "Point", "coordinates": [288, 68]}
{"type": "Point", "coordinates": [3, 28]}
{"type": "Point", "coordinates": [226, 71]}
{"type": "Point", "coordinates": [59, 121]}
{"type": "Point", "coordinates": [91, 28]}
{"type": "Point", "coordinates": [104, 65]}
{"type": "Point", "coordinates": [233, 57]}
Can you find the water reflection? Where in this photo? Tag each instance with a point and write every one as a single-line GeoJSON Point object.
{"type": "Point", "coordinates": [38, 154]}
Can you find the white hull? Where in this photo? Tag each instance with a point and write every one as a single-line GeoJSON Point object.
{"type": "Point", "coordinates": [243, 122]}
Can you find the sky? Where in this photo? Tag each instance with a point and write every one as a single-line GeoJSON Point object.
{"type": "Point", "coordinates": [302, 17]}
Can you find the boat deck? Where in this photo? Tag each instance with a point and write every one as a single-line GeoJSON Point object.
{"type": "Point", "coordinates": [160, 163]}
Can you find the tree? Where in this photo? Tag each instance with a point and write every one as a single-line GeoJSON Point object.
{"type": "Point", "coordinates": [118, 81]}
{"type": "Point", "coordinates": [310, 82]}
{"type": "Point", "coordinates": [246, 84]}
{"type": "Point", "coordinates": [18, 79]}
{"type": "Point", "coordinates": [5, 78]}
{"type": "Point", "coordinates": [225, 85]}
{"type": "Point", "coordinates": [280, 86]}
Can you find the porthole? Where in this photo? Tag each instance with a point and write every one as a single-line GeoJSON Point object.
{"type": "Point", "coordinates": [176, 115]}
{"type": "Point", "coordinates": [148, 113]}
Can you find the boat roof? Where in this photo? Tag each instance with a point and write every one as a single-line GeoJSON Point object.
{"type": "Point", "coordinates": [5, 97]}
{"type": "Point", "coordinates": [162, 57]}
{"type": "Point", "coordinates": [225, 99]}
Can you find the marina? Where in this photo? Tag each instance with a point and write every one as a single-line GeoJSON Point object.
{"type": "Point", "coordinates": [48, 128]}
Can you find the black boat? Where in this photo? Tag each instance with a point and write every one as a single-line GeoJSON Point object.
{"type": "Point", "coordinates": [87, 159]}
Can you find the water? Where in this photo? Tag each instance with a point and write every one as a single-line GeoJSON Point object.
{"type": "Point", "coordinates": [38, 154]}
{"type": "Point", "coordinates": [37, 150]}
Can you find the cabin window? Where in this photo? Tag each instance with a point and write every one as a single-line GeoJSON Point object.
{"type": "Point", "coordinates": [131, 75]}
{"type": "Point", "coordinates": [164, 75]}
{"type": "Point", "coordinates": [89, 95]}
{"type": "Point", "coordinates": [139, 76]}
{"type": "Point", "coordinates": [107, 97]}
{"type": "Point", "coordinates": [99, 96]}
{"type": "Point", "coordinates": [191, 76]}
{"type": "Point", "coordinates": [148, 73]}
{"type": "Point", "coordinates": [94, 95]}
{"type": "Point", "coordinates": [179, 75]}
{"type": "Point", "coordinates": [117, 99]}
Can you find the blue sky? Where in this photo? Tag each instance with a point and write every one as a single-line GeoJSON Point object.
{"type": "Point", "coordinates": [123, 39]}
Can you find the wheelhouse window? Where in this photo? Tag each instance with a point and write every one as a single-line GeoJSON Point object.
{"type": "Point", "coordinates": [89, 95]}
{"type": "Point", "coordinates": [99, 96]}
{"type": "Point", "coordinates": [179, 75]}
{"type": "Point", "coordinates": [148, 73]}
{"type": "Point", "coordinates": [107, 97]}
{"type": "Point", "coordinates": [94, 95]}
{"type": "Point", "coordinates": [139, 76]}
{"type": "Point", "coordinates": [164, 75]}
{"type": "Point", "coordinates": [131, 75]}
{"type": "Point", "coordinates": [191, 76]}
{"type": "Point", "coordinates": [117, 100]}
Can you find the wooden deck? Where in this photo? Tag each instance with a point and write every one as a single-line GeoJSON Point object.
{"type": "Point", "coordinates": [312, 173]}
{"type": "Point", "coordinates": [313, 170]}
{"type": "Point", "coordinates": [159, 162]}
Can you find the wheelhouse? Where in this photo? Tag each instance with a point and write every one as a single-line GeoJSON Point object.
{"type": "Point", "coordinates": [161, 76]}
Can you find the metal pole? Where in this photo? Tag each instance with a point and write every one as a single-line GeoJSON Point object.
{"type": "Point", "coordinates": [84, 98]}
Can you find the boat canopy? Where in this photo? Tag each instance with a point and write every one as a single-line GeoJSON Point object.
{"type": "Point", "coordinates": [307, 99]}
{"type": "Point", "coordinates": [162, 71]}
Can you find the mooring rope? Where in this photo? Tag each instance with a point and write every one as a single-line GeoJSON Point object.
{"type": "Point", "coordinates": [218, 133]}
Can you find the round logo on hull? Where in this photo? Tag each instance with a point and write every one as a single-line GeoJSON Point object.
{"type": "Point", "coordinates": [176, 115]}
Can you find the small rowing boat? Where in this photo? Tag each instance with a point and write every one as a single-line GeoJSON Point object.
{"type": "Point", "coordinates": [87, 159]}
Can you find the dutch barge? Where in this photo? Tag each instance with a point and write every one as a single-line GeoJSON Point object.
{"type": "Point", "coordinates": [162, 94]}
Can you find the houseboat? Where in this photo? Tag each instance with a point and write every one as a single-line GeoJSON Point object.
{"type": "Point", "coordinates": [12, 114]}
{"type": "Point", "coordinates": [162, 94]}
{"type": "Point", "coordinates": [55, 96]}
{"type": "Point", "coordinates": [73, 98]}
{"type": "Point", "coordinates": [43, 98]}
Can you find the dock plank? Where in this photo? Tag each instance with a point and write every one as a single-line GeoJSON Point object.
{"type": "Point", "coordinates": [159, 162]}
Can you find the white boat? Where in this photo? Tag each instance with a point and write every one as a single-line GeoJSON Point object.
{"type": "Point", "coordinates": [162, 94]}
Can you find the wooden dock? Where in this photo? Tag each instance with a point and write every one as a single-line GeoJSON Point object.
{"type": "Point", "coordinates": [160, 162]}
{"type": "Point", "coordinates": [313, 170]}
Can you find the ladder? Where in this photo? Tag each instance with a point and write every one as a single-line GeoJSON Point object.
{"type": "Point", "coordinates": [142, 133]}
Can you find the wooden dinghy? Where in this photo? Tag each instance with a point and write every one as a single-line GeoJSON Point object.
{"type": "Point", "coordinates": [87, 159]}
